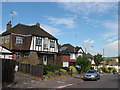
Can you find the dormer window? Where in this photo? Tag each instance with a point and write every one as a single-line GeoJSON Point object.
{"type": "Point", "coordinates": [19, 40]}
{"type": "Point", "coordinates": [3, 40]}
{"type": "Point", "coordinates": [7, 39]}
{"type": "Point", "coordinates": [52, 44]}
{"type": "Point", "coordinates": [38, 42]}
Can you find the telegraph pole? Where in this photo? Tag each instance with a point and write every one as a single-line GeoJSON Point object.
{"type": "Point", "coordinates": [103, 53]}
{"type": "Point", "coordinates": [103, 59]}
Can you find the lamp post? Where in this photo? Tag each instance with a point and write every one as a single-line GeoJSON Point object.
{"type": "Point", "coordinates": [88, 47]}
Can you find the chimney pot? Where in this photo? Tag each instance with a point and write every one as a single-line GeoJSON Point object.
{"type": "Point", "coordinates": [38, 24]}
{"type": "Point", "coordinates": [9, 26]}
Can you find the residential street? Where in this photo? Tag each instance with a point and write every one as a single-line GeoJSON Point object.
{"type": "Point", "coordinates": [106, 81]}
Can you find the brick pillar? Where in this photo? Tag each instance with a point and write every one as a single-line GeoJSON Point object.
{"type": "Point", "coordinates": [55, 59]}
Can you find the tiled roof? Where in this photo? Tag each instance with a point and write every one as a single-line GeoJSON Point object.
{"type": "Point", "coordinates": [26, 30]}
{"type": "Point", "coordinates": [68, 48]}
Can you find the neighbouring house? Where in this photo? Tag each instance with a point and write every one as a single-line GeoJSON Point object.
{"type": "Point", "coordinates": [68, 54]}
{"type": "Point", "coordinates": [32, 44]}
{"type": "Point", "coordinates": [113, 64]}
{"type": "Point", "coordinates": [6, 54]}
{"type": "Point", "coordinates": [90, 56]}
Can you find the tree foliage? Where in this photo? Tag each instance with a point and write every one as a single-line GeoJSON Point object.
{"type": "Point", "coordinates": [109, 59]}
{"type": "Point", "coordinates": [119, 59]}
{"type": "Point", "coordinates": [97, 59]}
{"type": "Point", "coordinates": [83, 61]}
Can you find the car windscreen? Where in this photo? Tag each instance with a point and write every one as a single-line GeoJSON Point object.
{"type": "Point", "coordinates": [91, 72]}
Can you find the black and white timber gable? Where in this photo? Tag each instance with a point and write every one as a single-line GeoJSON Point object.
{"type": "Point", "coordinates": [43, 44]}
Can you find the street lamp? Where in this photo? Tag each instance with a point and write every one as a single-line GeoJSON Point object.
{"type": "Point", "coordinates": [88, 47]}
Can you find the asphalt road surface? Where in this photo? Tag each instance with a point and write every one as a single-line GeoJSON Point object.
{"type": "Point", "coordinates": [106, 81]}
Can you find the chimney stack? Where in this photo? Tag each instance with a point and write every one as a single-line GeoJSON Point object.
{"type": "Point", "coordinates": [9, 26]}
{"type": "Point", "coordinates": [38, 24]}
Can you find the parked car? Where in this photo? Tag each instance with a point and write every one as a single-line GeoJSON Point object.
{"type": "Point", "coordinates": [91, 75]}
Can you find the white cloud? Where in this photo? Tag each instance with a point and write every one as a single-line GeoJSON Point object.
{"type": "Point", "coordinates": [88, 8]}
{"type": "Point", "coordinates": [111, 49]}
{"type": "Point", "coordinates": [67, 21]}
{"type": "Point", "coordinates": [88, 41]}
{"type": "Point", "coordinates": [1, 31]}
{"type": "Point", "coordinates": [113, 29]}
{"type": "Point", "coordinates": [51, 30]}
{"type": "Point", "coordinates": [112, 39]}
{"type": "Point", "coordinates": [91, 42]}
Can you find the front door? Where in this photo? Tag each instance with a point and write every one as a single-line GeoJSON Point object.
{"type": "Point", "coordinates": [45, 59]}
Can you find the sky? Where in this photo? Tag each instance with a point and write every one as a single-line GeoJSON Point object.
{"type": "Point", "coordinates": [91, 25]}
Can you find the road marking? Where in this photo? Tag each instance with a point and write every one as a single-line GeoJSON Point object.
{"type": "Point", "coordinates": [68, 85]}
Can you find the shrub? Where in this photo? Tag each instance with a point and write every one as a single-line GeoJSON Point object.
{"type": "Point", "coordinates": [56, 71]}
{"type": "Point", "coordinates": [114, 70]}
{"type": "Point", "coordinates": [49, 72]}
{"type": "Point", "coordinates": [57, 67]}
{"type": "Point", "coordinates": [66, 68]}
{"type": "Point", "coordinates": [63, 70]}
{"type": "Point", "coordinates": [78, 69]}
{"type": "Point", "coordinates": [51, 68]}
{"type": "Point", "coordinates": [73, 69]}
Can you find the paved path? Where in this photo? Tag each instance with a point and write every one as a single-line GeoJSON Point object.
{"type": "Point", "coordinates": [26, 82]}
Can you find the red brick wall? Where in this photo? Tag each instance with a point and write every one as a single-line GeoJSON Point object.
{"type": "Point", "coordinates": [62, 58]}
{"type": "Point", "coordinates": [26, 43]}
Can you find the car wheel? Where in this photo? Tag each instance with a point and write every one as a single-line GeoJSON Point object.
{"type": "Point", "coordinates": [84, 79]}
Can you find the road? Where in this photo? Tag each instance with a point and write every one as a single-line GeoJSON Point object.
{"type": "Point", "coordinates": [106, 81]}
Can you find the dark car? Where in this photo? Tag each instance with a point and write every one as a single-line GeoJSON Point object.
{"type": "Point", "coordinates": [91, 75]}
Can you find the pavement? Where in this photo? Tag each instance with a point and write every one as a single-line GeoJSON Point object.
{"type": "Point", "coordinates": [22, 81]}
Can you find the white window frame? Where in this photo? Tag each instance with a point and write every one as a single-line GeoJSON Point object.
{"type": "Point", "coordinates": [45, 43]}
{"type": "Point", "coordinates": [19, 40]}
{"type": "Point", "coordinates": [52, 44]}
{"type": "Point", "coordinates": [3, 39]}
{"type": "Point", "coordinates": [38, 42]}
{"type": "Point", "coordinates": [7, 39]}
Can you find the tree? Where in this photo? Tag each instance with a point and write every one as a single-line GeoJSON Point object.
{"type": "Point", "coordinates": [97, 59]}
{"type": "Point", "coordinates": [108, 60]}
{"type": "Point", "coordinates": [83, 62]}
{"type": "Point", "coordinates": [119, 59]}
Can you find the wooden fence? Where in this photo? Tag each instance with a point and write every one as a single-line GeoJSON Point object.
{"type": "Point", "coordinates": [8, 72]}
{"type": "Point", "coordinates": [36, 70]}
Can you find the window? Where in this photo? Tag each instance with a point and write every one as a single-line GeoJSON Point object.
{"type": "Point", "coordinates": [3, 40]}
{"type": "Point", "coordinates": [19, 40]}
{"type": "Point", "coordinates": [52, 44]}
{"type": "Point", "coordinates": [7, 39]}
{"type": "Point", "coordinates": [45, 43]}
{"type": "Point", "coordinates": [26, 54]}
{"type": "Point", "coordinates": [45, 46]}
{"type": "Point", "coordinates": [38, 42]}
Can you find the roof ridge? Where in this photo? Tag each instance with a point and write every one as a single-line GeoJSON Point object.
{"type": "Point", "coordinates": [25, 29]}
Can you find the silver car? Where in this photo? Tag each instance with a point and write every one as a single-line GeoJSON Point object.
{"type": "Point", "coordinates": [91, 75]}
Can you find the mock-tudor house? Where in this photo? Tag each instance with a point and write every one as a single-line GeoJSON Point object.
{"type": "Point", "coordinates": [90, 56]}
{"type": "Point", "coordinates": [69, 53]}
{"type": "Point", "coordinates": [32, 44]}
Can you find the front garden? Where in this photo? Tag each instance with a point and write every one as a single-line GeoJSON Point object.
{"type": "Point", "coordinates": [57, 71]}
